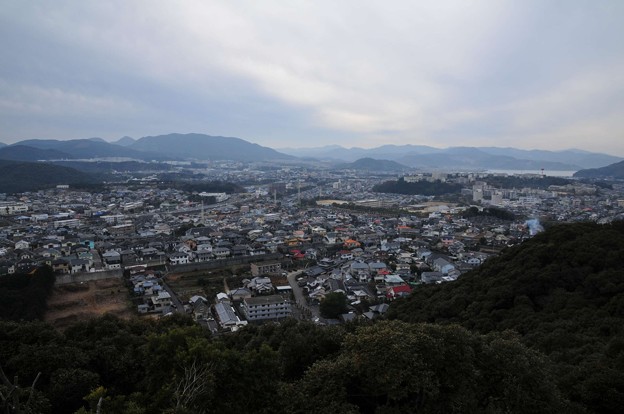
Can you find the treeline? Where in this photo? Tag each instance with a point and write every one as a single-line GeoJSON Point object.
{"type": "Point", "coordinates": [526, 182]}
{"type": "Point", "coordinates": [173, 366]}
{"type": "Point", "coordinates": [562, 292]}
{"type": "Point", "coordinates": [495, 212]}
{"type": "Point", "coordinates": [426, 188]}
{"type": "Point", "coordinates": [24, 296]}
{"type": "Point", "coordinates": [101, 167]}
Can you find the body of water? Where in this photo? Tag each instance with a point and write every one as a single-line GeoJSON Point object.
{"type": "Point", "coordinates": [550, 173]}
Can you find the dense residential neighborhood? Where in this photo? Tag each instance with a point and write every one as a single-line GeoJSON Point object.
{"type": "Point", "coordinates": [333, 235]}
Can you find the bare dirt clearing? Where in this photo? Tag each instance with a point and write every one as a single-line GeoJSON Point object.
{"type": "Point", "coordinates": [81, 301]}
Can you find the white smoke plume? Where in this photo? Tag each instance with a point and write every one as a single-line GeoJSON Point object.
{"type": "Point", "coordinates": [534, 226]}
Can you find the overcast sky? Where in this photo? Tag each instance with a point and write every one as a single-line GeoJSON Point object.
{"type": "Point", "coordinates": [527, 74]}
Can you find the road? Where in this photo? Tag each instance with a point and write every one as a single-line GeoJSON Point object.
{"type": "Point", "coordinates": [179, 306]}
{"type": "Point", "coordinates": [299, 296]}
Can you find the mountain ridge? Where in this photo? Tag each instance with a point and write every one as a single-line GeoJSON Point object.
{"type": "Point", "coordinates": [615, 170]}
{"type": "Point", "coordinates": [201, 146]}
{"type": "Point", "coordinates": [195, 146]}
{"type": "Point", "coordinates": [515, 158]}
{"type": "Point", "coordinates": [88, 148]}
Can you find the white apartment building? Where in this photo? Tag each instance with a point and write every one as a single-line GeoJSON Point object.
{"type": "Point", "coordinates": [266, 308]}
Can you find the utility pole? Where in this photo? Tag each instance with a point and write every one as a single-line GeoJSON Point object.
{"type": "Point", "coordinates": [202, 212]}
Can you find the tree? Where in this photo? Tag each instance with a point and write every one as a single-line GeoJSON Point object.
{"type": "Point", "coordinates": [17, 400]}
{"type": "Point", "coordinates": [399, 367]}
{"type": "Point", "coordinates": [195, 381]}
{"type": "Point", "coordinates": [333, 305]}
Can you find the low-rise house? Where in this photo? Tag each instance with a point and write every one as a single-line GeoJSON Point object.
{"type": "Point", "coordinates": [112, 259]}
{"type": "Point", "coordinates": [334, 285]}
{"type": "Point", "coordinates": [398, 291]}
{"type": "Point", "coordinates": [80, 265]}
{"type": "Point", "coordinates": [179, 258]}
{"type": "Point", "coordinates": [200, 308]}
{"type": "Point", "coordinates": [431, 277]}
{"type": "Point", "coordinates": [60, 266]}
{"type": "Point", "coordinates": [240, 294]}
{"type": "Point", "coordinates": [260, 285]}
{"type": "Point", "coordinates": [226, 315]}
{"type": "Point", "coordinates": [162, 301]}
{"type": "Point", "coordinates": [203, 255]}
{"type": "Point", "coordinates": [22, 244]}
{"type": "Point", "coordinates": [240, 250]}
{"type": "Point", "coordinates": [379, 309]}
{"type": "Point", "coordinates": [393, 280]}
{"type": "Point", "coordinates": [358, 268]}
{"type": "Point", "coordinates": [221, 252]}
{"type": "Point", "coordinates": [25, 265]}
{"type": "Point", "coordinates": [348, 317]}
{"type": "Point", "coordinates": [442, 265]}
{"type": "Point", "coordinates": [377, 266]}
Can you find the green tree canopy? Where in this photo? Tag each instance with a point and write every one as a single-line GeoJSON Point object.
{"type": "Point", "coordinates": [333, 305]}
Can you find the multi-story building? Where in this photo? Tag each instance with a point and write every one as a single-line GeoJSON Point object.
{"type": "Point", "coordinates": [10, 208]}
{"type": "Point", "coordinates": [266, 308]}
{"type": "Point", "coordinates": [258, 269]}
{"type": "Point", "coordinates": [72, 223]}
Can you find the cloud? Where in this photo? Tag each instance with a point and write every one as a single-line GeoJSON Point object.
{"type": "Point", "coordinates": [353, 72]}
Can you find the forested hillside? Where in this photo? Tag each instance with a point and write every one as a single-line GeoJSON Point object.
{"type": "Point", "coordinates": [562, 292]}
{"type": "Point", "coordinates": [18, 176]}
{"type": "Point", "coordinates": [427, 188]}
{"type": "Point", "coordinates": [173, 366]}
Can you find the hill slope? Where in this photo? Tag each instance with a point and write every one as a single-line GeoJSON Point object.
{"type": "Point", "coordinates": [30, 176]}
{"type": "Point", "coordinates": [370, 164]}
{"type": "Point", "coordinates": [614, 170]}
{"type": "Point", "coordinates": [562, 291]}
{"type": "Point", "coordinates": [200, 146]}
{"type": "Point", "coordinates": [26, 153]}
{"type": "Point", "coordinates": [88, 148]}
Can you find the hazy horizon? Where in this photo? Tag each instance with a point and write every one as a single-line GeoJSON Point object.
{"type": "Point", "coordinates": [528, 75]}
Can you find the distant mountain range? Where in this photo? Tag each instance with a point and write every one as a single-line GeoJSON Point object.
{"type": "Point", "coordinates": [610, 171]}
{"type": "Point", "coordinates": [159, 148]}
{"type": "Point", "coordinates": [420, 156]}
{"type": "Point", "coordinates": [205, 147]}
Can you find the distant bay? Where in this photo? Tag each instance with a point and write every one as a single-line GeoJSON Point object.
{"type": "Point", "coordinates": [550, 173]}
